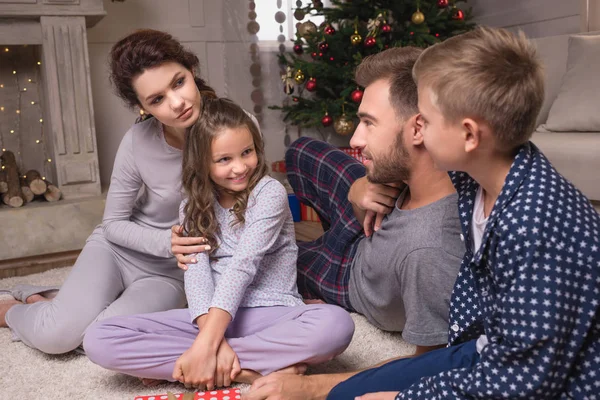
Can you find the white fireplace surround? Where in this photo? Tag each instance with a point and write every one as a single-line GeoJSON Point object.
{"type": "Point", "coordinates": [59, 26]}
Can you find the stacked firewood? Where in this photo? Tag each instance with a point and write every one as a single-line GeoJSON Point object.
{"type": "Point", "coordinates": [17, 190]}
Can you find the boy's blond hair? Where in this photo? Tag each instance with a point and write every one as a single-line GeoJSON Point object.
{"type": "Point", "coordinates": [488, 74]}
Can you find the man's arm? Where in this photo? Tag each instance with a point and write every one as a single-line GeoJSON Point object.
{"type": "Point", "coordinates": [295, 387]}
{"type": "Point", "coordinates": [368, 199]}
{"type": "Point", "coordinates": [310, 387]}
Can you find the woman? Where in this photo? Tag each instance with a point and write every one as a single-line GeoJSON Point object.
{"type": "Point", "coordinates": [127, 265]}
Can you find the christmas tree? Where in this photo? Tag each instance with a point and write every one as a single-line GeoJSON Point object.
{"type": "Point", "coordinates": [319, 75]}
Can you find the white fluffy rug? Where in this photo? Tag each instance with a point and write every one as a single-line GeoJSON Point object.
{"type": "Point", "coordinates": [26, 373]}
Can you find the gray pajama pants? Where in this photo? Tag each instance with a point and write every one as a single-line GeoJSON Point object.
{"type": "Point", "coordinates": [107, 280]}
{"type": "Point", "coordinates": [265, 339]}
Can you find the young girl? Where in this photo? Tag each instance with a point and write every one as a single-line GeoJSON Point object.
{"type": "Point", "coordinates": [245, 317]}
{"type": "Point", "coordinates": [127, 266]}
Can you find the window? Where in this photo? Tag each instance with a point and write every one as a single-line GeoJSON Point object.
{"type": "Point", "coordinates": [270, 29]}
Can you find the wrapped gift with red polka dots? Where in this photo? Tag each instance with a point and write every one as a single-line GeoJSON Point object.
{"type": "Point", "coordinates": [221, 394]}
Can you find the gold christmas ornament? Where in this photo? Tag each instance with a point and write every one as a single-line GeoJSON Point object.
{"type": "Point", "coordinates": [307, 28]}
{"type": "Point", "coordinates": [417, 18]}
{"type": "Point", "coordinates": [355, 39]}
{"type": "Point", "coordinates": [299, 77]}
{"type": "Point", "coordinates": [343, 125]}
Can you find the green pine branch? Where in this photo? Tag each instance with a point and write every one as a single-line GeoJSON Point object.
{"type": "Point", "coordinates": [334, 68]}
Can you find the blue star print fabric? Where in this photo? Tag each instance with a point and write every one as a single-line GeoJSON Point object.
{"type": "Point", "coordinates": [533, 288]}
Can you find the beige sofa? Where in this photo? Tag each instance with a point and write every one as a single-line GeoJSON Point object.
{"type": "Point", "coordinates": [569, 124]}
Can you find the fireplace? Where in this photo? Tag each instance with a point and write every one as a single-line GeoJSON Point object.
{"type": "Point", "coordinates": [46, 113]}
{"type": "Point", "coordinates": [47, 121]}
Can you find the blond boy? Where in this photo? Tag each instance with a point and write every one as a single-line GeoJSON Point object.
{"type": "Point", "coordinates": [528, 291]}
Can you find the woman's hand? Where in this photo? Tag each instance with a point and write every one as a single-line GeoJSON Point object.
{"type": "Point", "coordinates": [196, 367]}
{"type": "Point", "coordinates": [184, 248]}
{"type": "Point", "coordinates": [228, 365]}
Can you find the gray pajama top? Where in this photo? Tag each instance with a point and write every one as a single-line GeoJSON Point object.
{"type": "Point", "coordinates": [255, 263]}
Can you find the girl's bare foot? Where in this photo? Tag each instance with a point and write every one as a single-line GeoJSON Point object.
{"type": "Point", "coordinates": [314, 301]}
{"type": "Point", "coordinates": [249, 376]}
{"type": "Point", "coordinates": [151, 382]}
{"type": "Point", "coordinates": [298, 369]}
{"type": "Point", "coordinates": [34, 298]}
{"type": "Point", "coordinates": [5, 305]}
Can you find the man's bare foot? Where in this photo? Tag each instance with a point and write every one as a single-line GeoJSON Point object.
{"type": "Point", "coordinates": [5, 305]}
{"type": "Point", "coordinates": [314, 301]}
{"type": "Point", "coordinates": [34, 298]}
{"type": "Point", "coordinates": [149, 382]}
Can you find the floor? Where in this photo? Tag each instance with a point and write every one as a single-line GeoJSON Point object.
{"type": "Point", "coordinates": [307, 231]}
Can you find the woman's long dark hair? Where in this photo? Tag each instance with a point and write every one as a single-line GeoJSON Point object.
{"type": "Point", "coordinates": [201, 191]}
{"type": "Point", "coordinates": [148, 48]}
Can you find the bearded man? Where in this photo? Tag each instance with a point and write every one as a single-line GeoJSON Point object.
{"type": "Point", "coordinates": [392, 246]}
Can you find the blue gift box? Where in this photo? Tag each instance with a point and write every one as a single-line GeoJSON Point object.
{"type": "Point", "coordinates": [294, 207]}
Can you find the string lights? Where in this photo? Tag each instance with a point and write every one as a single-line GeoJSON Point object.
{"type": "Point", "coordinates": [24, 107]}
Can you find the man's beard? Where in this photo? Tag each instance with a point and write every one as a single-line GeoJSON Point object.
{"type": "Point", "coordinates": [393, 167]}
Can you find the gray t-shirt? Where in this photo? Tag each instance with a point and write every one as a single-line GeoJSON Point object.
{"type": "Point", "coordinates": [403, 275]}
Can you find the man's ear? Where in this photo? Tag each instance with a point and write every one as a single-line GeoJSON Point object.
{"type": "Point", "coordinates": [415, 124]}
{"type": "Point", "coordinates": [471, 134]}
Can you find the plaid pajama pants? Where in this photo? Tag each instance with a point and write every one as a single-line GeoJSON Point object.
{"type": "Point", "coordinates": [321, 176]}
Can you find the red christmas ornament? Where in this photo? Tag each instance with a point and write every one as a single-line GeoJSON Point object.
{"type": "Point", "coordinates": [298, 49]}
{"type": "Point", "coordinates": [314, 55]}
{"type": "Point", "coordinates": [370, 41]}
{"type": "Point", "coordinates": [459, 15]}
{"type": "Point", "coordinates": [320, 54]}
{"type": "Point", "coordinates": [326, 120]}
{"type": "Point", "coordinates": [323, 46]}
{"type": "Point", "coordinates": [386, 28]}
{"type": "Point", "coordinates": [437, 35]}
{"type": "Point", "coordinates": [311, 85]}
{"type": "Point", "coordinates": [356, 96]}
{"type": "Point", "coordinates": [329, 30]}
{"type": "Point", "coordinates": [296, 99]}
{"type": "Point", "coordinates": [442, 3]}
{"type": "Point", "coordinates": [331, 58]}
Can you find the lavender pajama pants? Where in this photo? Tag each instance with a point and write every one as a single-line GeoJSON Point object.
{"type": "Point", "coordinates": [265, 339]}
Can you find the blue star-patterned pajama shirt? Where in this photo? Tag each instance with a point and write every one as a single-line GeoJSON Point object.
{"type": "Point", "coordinates": [533, 288]}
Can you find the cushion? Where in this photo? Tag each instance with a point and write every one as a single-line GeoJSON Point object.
{"type": "Point", "coordinates": [575, 156]}
{"type": "Point", "coordinates": [576, 105]}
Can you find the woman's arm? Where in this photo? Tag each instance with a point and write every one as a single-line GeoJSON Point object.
{"type": "Point", "coordinates": [124, 188]}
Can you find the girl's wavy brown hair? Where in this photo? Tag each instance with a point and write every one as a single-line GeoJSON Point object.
{"type": "Point", "coordinates": [202, 193]}
{"type": "Point", "coordinates": [148, 48]}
